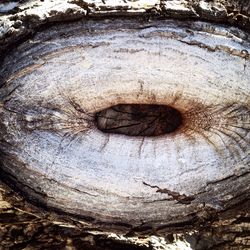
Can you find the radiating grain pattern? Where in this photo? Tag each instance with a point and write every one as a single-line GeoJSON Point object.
{"type": "Point", "coordinates": [52, 86]}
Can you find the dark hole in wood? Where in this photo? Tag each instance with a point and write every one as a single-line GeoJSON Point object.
{"type": "Point", "coordinates": [138, 119]}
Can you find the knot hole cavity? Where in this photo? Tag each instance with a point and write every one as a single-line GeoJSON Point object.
{"type": "Point", "coordinates": [139, 119]}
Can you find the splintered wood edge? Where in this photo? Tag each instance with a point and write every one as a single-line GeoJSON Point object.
{"type": "Point", "coordinates": [27, 17]}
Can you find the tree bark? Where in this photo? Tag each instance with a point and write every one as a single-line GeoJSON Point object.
{"type": "Point", "coordinates": [216, 216]}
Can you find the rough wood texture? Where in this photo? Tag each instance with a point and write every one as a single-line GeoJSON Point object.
{"type": "Point", "coordinates": [198, 182]}
{"type": "Point", "coordinates": [25, 18]}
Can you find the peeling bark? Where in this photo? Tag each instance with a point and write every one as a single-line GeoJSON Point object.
{"type": "Point", "coordinates": [213, 216]}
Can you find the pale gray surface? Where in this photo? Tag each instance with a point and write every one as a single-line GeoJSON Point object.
{"type": "Point", "coordinates": [64, 75]}
{"type": "Point", "coordinates": [219, 227]}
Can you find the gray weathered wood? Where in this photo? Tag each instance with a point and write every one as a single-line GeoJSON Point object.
{"type": "Point", "coordinates": [53, 84]}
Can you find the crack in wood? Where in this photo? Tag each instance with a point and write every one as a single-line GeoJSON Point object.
{"type": "Point", "coordinates": [181, 198]}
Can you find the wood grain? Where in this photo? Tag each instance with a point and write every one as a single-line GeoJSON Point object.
{"type": "Point", "coordinates": [53, 154]}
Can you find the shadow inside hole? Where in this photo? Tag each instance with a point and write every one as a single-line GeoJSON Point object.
{"type": "Point", "coordinates": [139, 119]}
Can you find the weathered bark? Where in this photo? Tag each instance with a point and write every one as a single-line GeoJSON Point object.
{"type": "Point", "coordinates": [213, 213]}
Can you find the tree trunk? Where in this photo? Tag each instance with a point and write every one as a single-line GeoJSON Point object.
{"type": "Point", "coordinates": [125, 126]}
